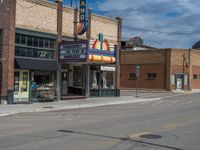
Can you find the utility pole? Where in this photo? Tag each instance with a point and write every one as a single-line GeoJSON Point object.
{"type": "Point", "coordinates": [58, 42]}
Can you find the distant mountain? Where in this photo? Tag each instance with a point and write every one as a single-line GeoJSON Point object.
{"type": "Point", "coordinates": [196, 45]}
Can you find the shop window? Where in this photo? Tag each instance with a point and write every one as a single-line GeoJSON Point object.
{"type": "Point", "coordinates": [42, 80]}
{"type": "Point", "coordinates": [195, 76]}
{"type": "Point", "coordinates": [151, 76]}
{"type": "Point", "coordinates": [132, 76]}
{"type": "Point", "coordinates": [16, 82]}
{"type": "Point", "coordinates": [24, 87]}
{"type": "Point", "coordinates": [101, 78]}
{"type": "Point", "coordinates": [78, 77]}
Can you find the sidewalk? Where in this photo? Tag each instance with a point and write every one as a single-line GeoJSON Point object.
{"type": "Point", "coordinates": [6, 110]}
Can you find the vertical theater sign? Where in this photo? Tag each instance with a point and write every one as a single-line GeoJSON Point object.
{"type": "Point", "coordinates": [82, 25]}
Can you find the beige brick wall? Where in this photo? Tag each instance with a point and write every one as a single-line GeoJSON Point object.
{"type": "Point", "coordinates": [143, 57]}
{"type": "Point", "coordinates": [178, 55]}
{"type": "Point", "coordinates": [36, 15]}
{"type": "Point", "coordinates": [195, 57]}
{"type": "Point", "coordinates": [40, 15]}
{"type": "Point", "coordinates": [104, 25]}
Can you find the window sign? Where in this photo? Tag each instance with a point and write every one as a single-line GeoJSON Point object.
{"type": "Point", "coordinates": [16, 82]}
{"type": "Point", "coordinates": [107, 68]}
{"type": "Point", "coordinates": [25, 82]}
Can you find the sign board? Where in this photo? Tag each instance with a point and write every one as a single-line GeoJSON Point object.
{"type": "Point", "coordinates": [137, 66]}
{"type": "Point", "coordinates": [82, 17]}
{"type": "Point", "coordinates": [75, 51]}
{"type": "Point", "coordinates": [137, 71]}
{"type": "Point", "coordinates": [82, 26]}
{"type": "Point", "coordinates": [107, 68]}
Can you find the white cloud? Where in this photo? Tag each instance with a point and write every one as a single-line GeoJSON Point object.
{"type": "Point", "coordinates": [175, 19]}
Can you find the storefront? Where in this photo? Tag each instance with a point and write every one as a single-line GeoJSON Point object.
{"type": "Point", "coordinates": [34, 80]}
{"type": "Point", "coordinates": [102, 80]}
{"type": "Point", "coordinates": [42, 85]}
{"type": "Point", "coordinates": [87, 71]}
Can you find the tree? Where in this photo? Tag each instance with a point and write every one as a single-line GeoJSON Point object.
{"type": "Point", "coordinates": [196, 45]}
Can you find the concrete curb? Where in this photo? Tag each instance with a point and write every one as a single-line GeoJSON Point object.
{"type": "Point", "coordinates": [61, 105]}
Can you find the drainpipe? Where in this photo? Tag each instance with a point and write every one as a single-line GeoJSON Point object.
{"type": "Point", "coordinates": [88, 36]}
{"type": "Point", "coordinates": [190, 72]}
{"type": "Point", "coordinates": [117, 76]}
{"type": "Point", "coordinates": [58, 42]}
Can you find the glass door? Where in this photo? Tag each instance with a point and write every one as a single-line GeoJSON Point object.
{"type": "Point", "coordinates": [179, 82]}
{"type": "Point", "coordinates": [21, 86]}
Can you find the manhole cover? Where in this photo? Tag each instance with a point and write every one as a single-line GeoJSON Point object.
{"type": "Point", "coordinates": [150, 136]}
{"type": "Point", "coordinates": [48, 107]}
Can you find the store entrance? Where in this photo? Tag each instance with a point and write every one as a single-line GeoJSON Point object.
{"type": "Point", "coordinates": [64, 83]}
{"type": "Point", "coordinates": [179, 81]}
{"type": "Point", "coordinates": [72, 82]}
{"type": "Point", "coordinates": [21, 86]}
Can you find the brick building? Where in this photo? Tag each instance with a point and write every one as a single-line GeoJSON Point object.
{"type": "Point", "coordinates": [170, 69]}
{"type": "Point", "coordinates": [7, 36]}
{"type": "Point", "coordinates": [29, 51]}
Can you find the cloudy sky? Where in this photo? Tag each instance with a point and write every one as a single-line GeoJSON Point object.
{"type": "Point", "coordinates": [161, 23]}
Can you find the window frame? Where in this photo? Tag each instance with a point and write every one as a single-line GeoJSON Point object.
{"type": "Point", "coordinates": [132, 76]}
{"type": "Point", "coordinates": [151, 76]}
{"type": "Point", "coordinates": [195, 76]}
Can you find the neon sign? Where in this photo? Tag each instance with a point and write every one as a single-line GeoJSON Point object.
{"type": "Point", "coordinates": [82, 26]}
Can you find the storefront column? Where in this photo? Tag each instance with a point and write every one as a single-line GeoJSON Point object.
{"type": "Point", "coordinates": [87, 81]}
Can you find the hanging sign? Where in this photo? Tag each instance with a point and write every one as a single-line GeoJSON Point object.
{"type": "Point", "coordinates": [82, 26]}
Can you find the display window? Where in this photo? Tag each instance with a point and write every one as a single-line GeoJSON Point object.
{"type": "Point", "coordinates": [101, 78]}
{"type": "Point", "coordinates": [16, 82]}
{"type": "Point", "coordinates": [42, 80]}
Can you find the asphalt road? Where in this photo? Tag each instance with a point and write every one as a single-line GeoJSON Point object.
{"type": "Point", "coordinates": [169, 124]}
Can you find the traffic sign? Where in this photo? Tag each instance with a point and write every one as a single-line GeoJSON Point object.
{"type": "Point", "coordinates": [137, 66]}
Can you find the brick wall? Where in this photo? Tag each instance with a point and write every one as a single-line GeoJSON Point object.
{"type": "Point", "coordinates": [7, 25]}
{"type": "Point", "coordinates": [143, 57]}
{"type": "Point", "coordinates": [144, 82]}
{"type": "Point", "coordinates": [164, 62]}
{"type": "Point", "coordinates": [195, 55]}
{"type": "Point", "coordinates": [151, 61]}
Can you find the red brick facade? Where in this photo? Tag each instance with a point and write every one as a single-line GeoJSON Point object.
{"type": "Point", "coordinates": [7, 26]}
{"type": "Point", "coordinates": [171, 66]}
